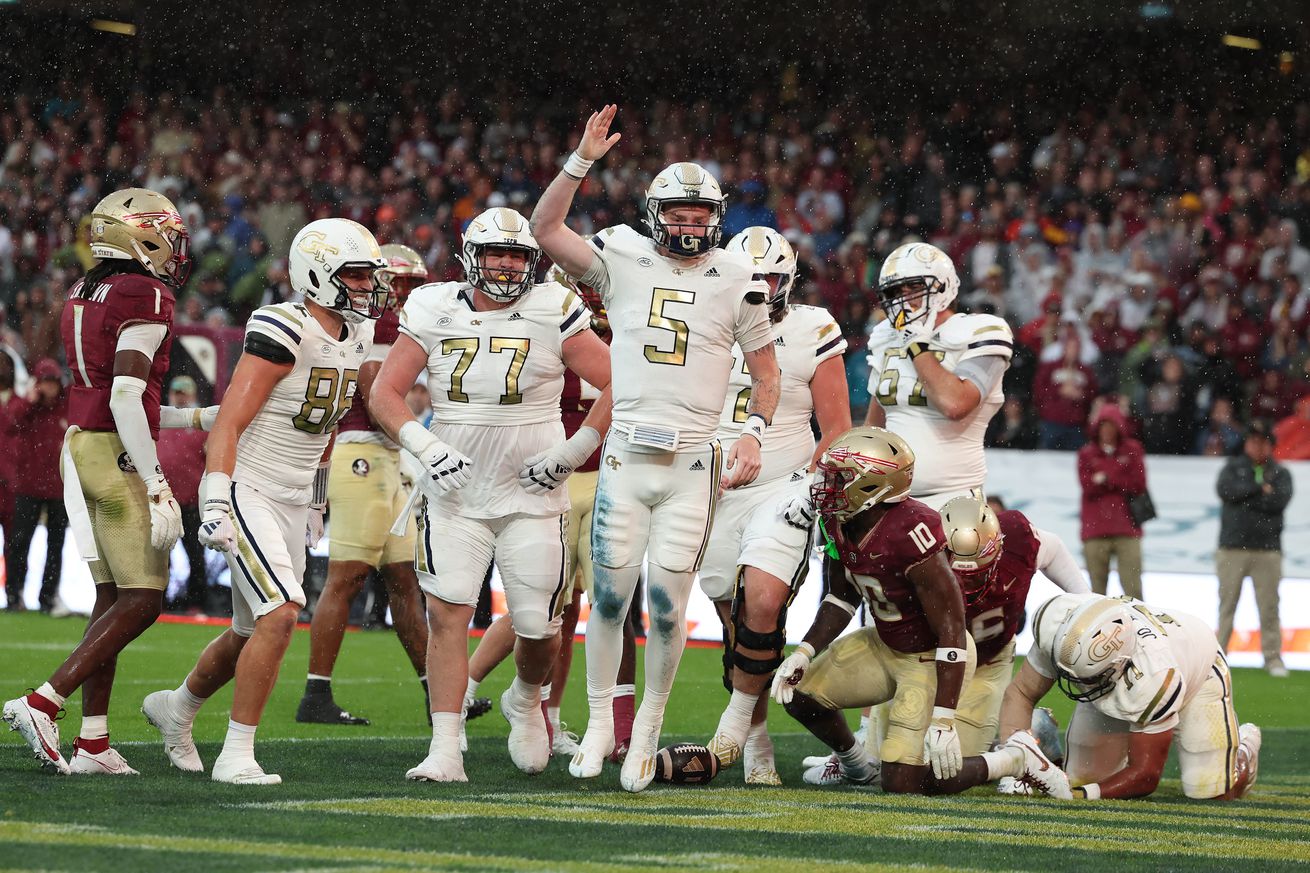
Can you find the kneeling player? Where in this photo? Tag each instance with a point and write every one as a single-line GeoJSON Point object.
{"type": "Point", "coordinates": [1140, 677]}
{"type": "Point", "coordinates": [757, 558]}
{"type": "Point", "coordinates": [495, 348]}
{"type": "Point", "coordinates": [891, 551]}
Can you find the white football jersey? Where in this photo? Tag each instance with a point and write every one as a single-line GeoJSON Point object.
{"type": "Point", "coordinates": [948, 454]}
{"type": "Point", "coordinates": [279, 452]}
{"type": "Point", "coordinates": [495, 378]}
{"type": "Point", "coordinates": [805, 338]}
{"type": "Point", "coordinates": [675, 321]}
{"type": "Point", "coordinates": [1174, 656]}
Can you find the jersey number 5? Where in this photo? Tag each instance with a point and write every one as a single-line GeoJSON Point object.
{"type": "Point", "coordinates": [327, 397]}
{"type": "Point", "coordinates": [660, 298]}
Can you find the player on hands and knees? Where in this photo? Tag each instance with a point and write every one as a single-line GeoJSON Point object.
{"type": "Point", "coordinates": [757, 557]}
{"type": "Point", "coordinates": [1141, 679]}
{"type": "Point", "coordinates": [889, 548]}
{"type": "Point", "coordinates": [994, 557]}
{"type": "Point", "coordinates": [116, 332]}
{"type": "Point", "coordinates": [265, 483]}
{"type": "Point", "coordinates": [494, 348]}
{"type": "Point", "coordinates": [366, 492]}
{"type": "Point", "coordinates": [677, 304]}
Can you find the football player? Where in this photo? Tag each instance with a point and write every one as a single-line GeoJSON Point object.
{"type": "Point", "coordinates": [677, 304]}
{"type": "Point", "coordinates": [1141, 678]}
{"type": "Point", "coordinates": [756, 558]}
{"type": "Point", "coordinates": [116, 330]}
{"type": "Point", "coordinates": [366, 494]}
{"type": "Point", "coordinates": [935, 375]}
{"type": "Point", "coordinates": [265, 485]}
{"type": "Point", "coordinates": [495, 348]}
{"type": "Point", "coordinates": [891, 551]}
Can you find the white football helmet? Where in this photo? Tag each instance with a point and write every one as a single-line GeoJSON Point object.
{"type": "Point", "coordinates": [773, 256]}
{"type": "Point", "coordinates": [500, 228]}
{"type": "Point", "coordinates": [325, 247]}
{"type": "Point", "coordinates": [917, 281]}
{"type": "Point", "coordinates": [1092, 644]}
{"type": "Point", "coordinates": [684, 184]}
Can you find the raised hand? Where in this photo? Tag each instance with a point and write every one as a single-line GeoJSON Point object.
{"type": "Point", "coordinates": [596, 136]}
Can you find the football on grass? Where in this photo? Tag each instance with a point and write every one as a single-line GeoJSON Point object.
{"type": "Point", "coordinates": [685, 764]}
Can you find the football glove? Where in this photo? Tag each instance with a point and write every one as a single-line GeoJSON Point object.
{"type": "Point", "coordinates": [798, 511]}
{"type": "Point", "coordinates": [545, 471]}
{"type": "Point", "coordinates": [216, 529]}
{"type": "Point", "coordinates": [941, 745]}
{"type": "Point", "coordinates": [443, 468]}
{"type": "Point", "coordinates": [917, 332]}
{"type": "Point", "coordinates": [208, 415]}
{"type": "Point", "coordinates": [317, 506]}
{"type": "Point", "coordinates": [791, 672]}
{"type": "Point", "coordinates": [165, 514]}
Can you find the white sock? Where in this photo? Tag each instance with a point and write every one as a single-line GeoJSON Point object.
{"type": "Point", "coordinates": [49, 693]}
{"type": "Point", "coordinates": [184, 704]}
{"type": "Point", "coordinates": [650, 715]}
{"type": "Point", "coordinates": [855, 760]}
{"type": "Point", "coordinates": [552, 712]}
{"type": "Point", "coordinates": [736, 719]}
{"type": "Point", "coordinates": [758, 742]}
{"type": "Point", "coordinates": [316, 676]}
{"type": "Point", "coordinates": [94, 727]}
{"type": "Point", "coordinates": [240, 740]}
{"type": "Point", "coordinates": [864, 723]}
{"type": "Point", "coordinates": [604, 648]}
{"type": "Point", "coordinates": [545, 693]}
{"type": "Point", "coordinates": [1003, 762]}
{"type": "Point", "coordinates": [625, 690]}
{"type": "Point", "coordinates": [524, 695]}
{"type": "Point", "coordinates": [445, 734]}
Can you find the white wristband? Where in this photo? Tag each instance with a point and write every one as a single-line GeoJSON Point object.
{"type": "Point", "coordinates": [1090, 792]}
{"type": "Point", "coordinates": [319, 497]}
{"type": "Point", "coordinates": [577, 166]}
{"type": "Point", "coordinates": [216, 488]}
{"type": "Point", "coordinates": [943, 713]}
{"type": "Point", "coordinates": [806, 648]}
{"type": "Point", "coordinates": [845, 607]}
{"type": "Point", "coordinates": [952, 656]}
{"type": "Point", "coordinates": [414, 437]}
{"type": "Point", "coordinates": [755, 426]}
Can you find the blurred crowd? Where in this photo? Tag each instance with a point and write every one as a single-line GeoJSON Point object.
{"type": "Point", "coordinates": [1148, 256]}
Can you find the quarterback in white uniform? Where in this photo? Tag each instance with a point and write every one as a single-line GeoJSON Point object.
{"type": "Point", "coordinates": [265, 486]}
{"type": "Point", "coordinates": [677, 304]}
{"type": "Point", "coordinates": [494, 348]}
{"type": "Point", "coordinates": [1142, 678]}
{"type": "Point", "coordinates": [756, 558]}
{"type": "Point", "coordinates": [935, 375]}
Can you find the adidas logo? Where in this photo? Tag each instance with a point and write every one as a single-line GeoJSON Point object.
{"type": "Point", "coordinates": [777, 341]}
{"type": "Point", "coordinates": [797, 476]}
{"type": "Point", "coordinates": [697, 466]}
{"type": "Point", "coordinates": [516, 316]}
{"type": "Point", "coordinates": [712, 271]}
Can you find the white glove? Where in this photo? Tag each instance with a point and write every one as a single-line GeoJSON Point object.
{"type": "Point", "coordinates": [919, 331]}
{"type": "Point", "coordinates": [207, 417]}
{"type": "Point", "coordinates": [216, 529]}
{"type": "Point", "coordinates": [545, 471]}
{"type": "Point", "coordinates": [317, 506]}
{"type": "Point", "coordinates": [790, 673]}
{"type": "Point", "coordinates": [314, 526]}
{"type": "Point", "coordinates": [165, 514]}
{"type": "Point", "coordinates": [941, 744]}
{"type": "Point", "coordinates": [410, 469]}
{"type": "Point", "coordinates": [798, 511]}
{"type": "Point", "coordinates": [443, 468]}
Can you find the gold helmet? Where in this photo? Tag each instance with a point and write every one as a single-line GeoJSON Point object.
{"type": "Point", "coordinates": [862, 468]}
{"type": "Point", "coordinates": [974, 540]}
{"type": "Point", "coordinates": [137, 224]}
{"type": "Point", "coordinates": [404, 272]}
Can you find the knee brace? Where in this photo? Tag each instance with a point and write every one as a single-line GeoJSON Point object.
{"type": "Point", "coordinates": [744, 637]}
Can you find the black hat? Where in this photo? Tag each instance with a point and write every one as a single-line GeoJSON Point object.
{"type": "Point", "coordinates": [1260, 428]}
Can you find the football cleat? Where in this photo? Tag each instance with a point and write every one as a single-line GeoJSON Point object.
{"type": "Point", "coordinates": [639, 766]}
{"type": "Point", "coordinates": [529, 740]}
{"type": "Point", "coordinates": [322, 709]}
{"type": "Point", "coordinates": [1039, 772]}
{"type": "Point", "coordinates": [725, 747]}
{"type": "Point", "coordinates": [438, 768]}
{"type": "Point", "coordinates": [590, 757]}
{"type": "Point", "coordinates": [565, 742]}
{"type": "Point", "coordinates": [39, 729]}
{"type": "Point", "coordinates": [831, 772]}
{"type": "Point", "coordinates": [106, 763]}
{"type": "Point", "coordinates": [763, 774]}
{"type": "Point", "coordinates": [479, 707]}
{"type": "Point", "coordinates": [814, 761]}
{"type": "Point", "coordinates": [179, 745]}
{"type": "Point", "coordinates": [1250, 739]}
{"type": "Point", "coordinates": [242, 771]}
{"type": "Point", "coordinates": [1010, 785]}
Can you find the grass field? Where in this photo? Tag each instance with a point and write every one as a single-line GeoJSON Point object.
{"type": "Point", "coordinates": [345, 804]}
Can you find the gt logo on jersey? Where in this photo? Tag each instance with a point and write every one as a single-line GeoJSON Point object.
{"type": "Point", "coordinates": [612, 462]}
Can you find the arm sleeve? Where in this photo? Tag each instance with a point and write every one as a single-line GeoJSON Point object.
{"type": "Point", "coordinates": [263, 346]}
{"type": "Point", "coordinates": [143, 337]}
{"type": "Point", "coordinates": [1057, 563]}
{"type": "Point", "coordinates": [273, 328]}
{"type": "Point", "coordinates": [133, 428]}
{"type": "Point", "coordinates": [985, 372]}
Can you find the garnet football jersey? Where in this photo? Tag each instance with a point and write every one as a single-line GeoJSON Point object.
{"type": "Point", "coordinates": [909, 534]}
{"type": "Point", "coordinates": [993, 619]}
{"type": "Point", "coordinates": [356, 426]}
{"type": "Point", "coordinates": [91, 322]}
